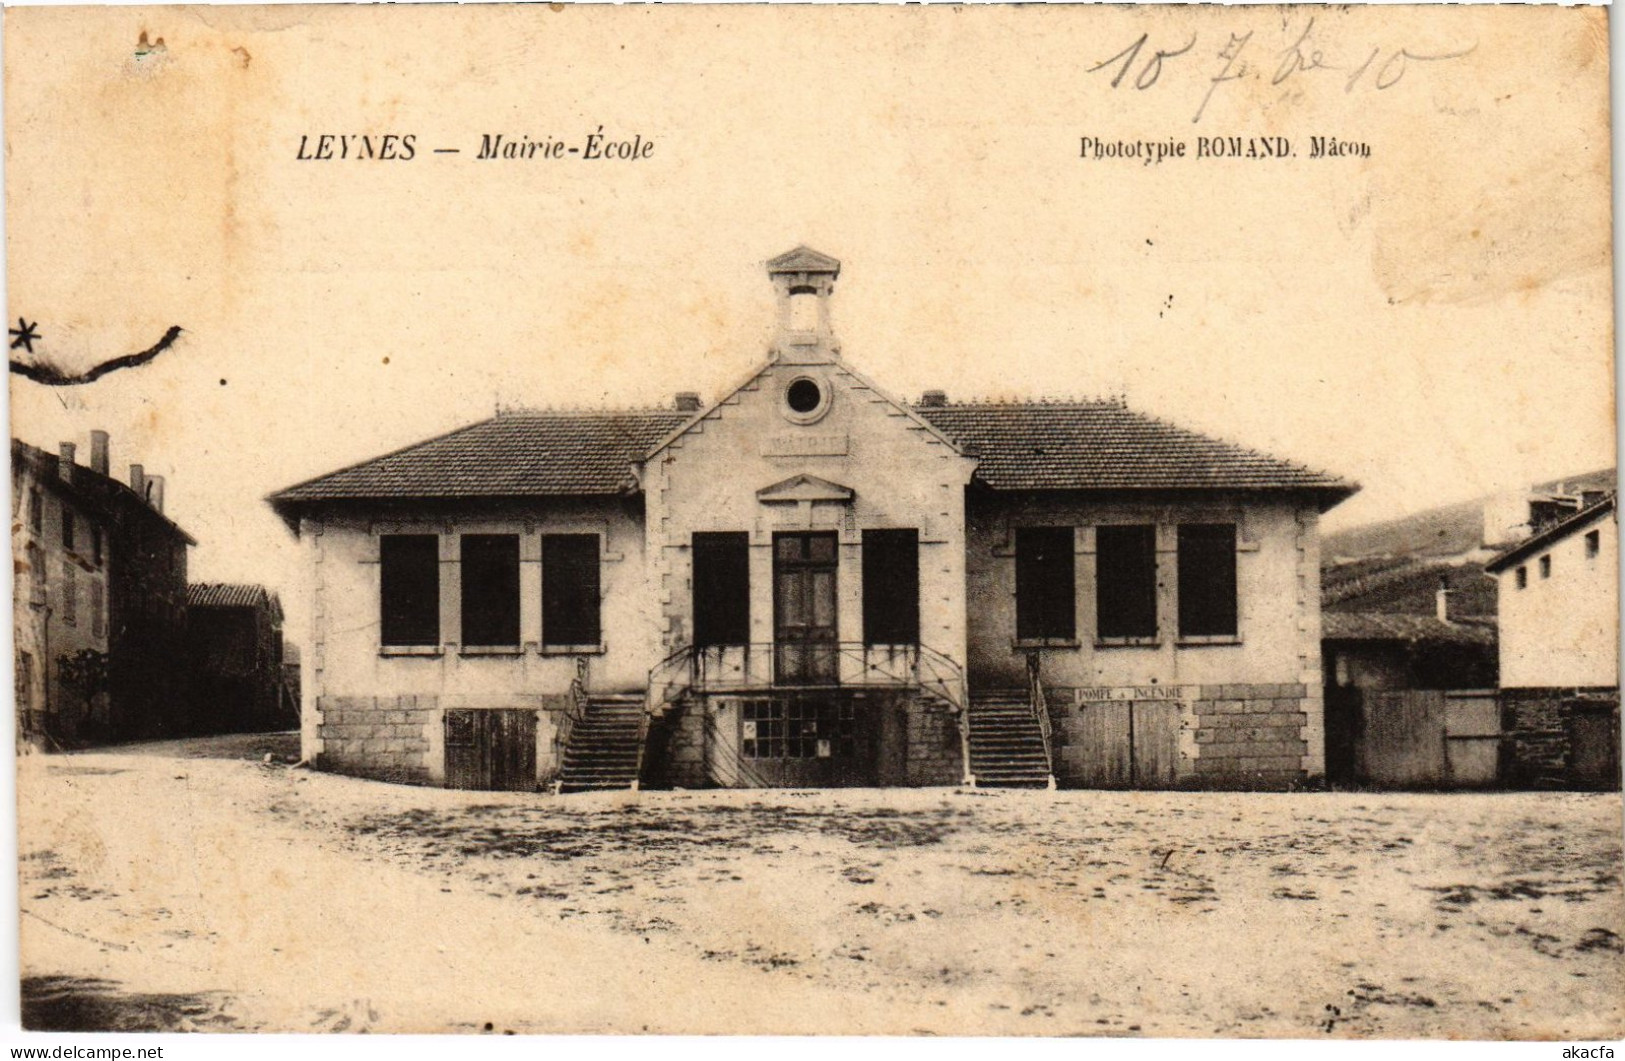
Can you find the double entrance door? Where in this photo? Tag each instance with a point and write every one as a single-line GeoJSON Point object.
{"type": "Point", "coordinates": [805, 640]}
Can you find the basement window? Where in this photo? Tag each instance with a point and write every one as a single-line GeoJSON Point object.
{"type": "Point", "coordinates": [490, 590]}
{"type": "Point", "coordinates": [721, 589]}
{"type": "Point", "coordinates": [1126, 583]}
{"type": "Point", "coordinates": [891, 587]}
{"type": "Point", "coordinates": [409, 589]}
{"type": "Point", "coordinates": [1045, 585]}
{"type": "Point", "coordinates": [1207, 581]}
{"type": "Point", "coordinates": [570, 591]}
{"type": "Point", "coordinates": [793, 728]}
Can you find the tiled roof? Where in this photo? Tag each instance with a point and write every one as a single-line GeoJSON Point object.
{"type": "Point", "coordinates": [1081, 446]}
{"type": "Point", "coordinates": [228, 595]}
{"type": "Point", "coordinates": [1390, 626]}
{"type": "Point", "coordinates": [1104, 445]}
{"type": "Point", "coordinates": [1555, 533]}
{"type": "Point", "coordinates": [512, 455]}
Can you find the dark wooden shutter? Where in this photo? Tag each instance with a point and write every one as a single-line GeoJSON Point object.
{"type": "Point", "coordinates": [409, 589]}
{"type": "Point", "coordinates": [1207, 580]}
{"type": "Point", "coordinates": [1126, 581]}
{"type": "Point", "coordinates": [721, 589]}
{"type": "Point", "coordinates": [570, 597]}
{"type": "Point", "coordinates": [1045, 584]}
{"type": "Point", "coordinates": [490, 589]}
{"type": "Point", "coordinates": [891, 587]}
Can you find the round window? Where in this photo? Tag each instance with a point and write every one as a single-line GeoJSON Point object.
{"type": "Point", "coordinates": [804, 396]}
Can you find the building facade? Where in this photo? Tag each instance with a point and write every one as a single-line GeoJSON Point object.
{"type": "Point", "coordinates": [1559, 644]}
{"type": "Point", "coordinates": [811, 582]}
{"type": "Point", "coordinates": [99, 600]}
{"type": "Point", "coordinates": [234, 638]}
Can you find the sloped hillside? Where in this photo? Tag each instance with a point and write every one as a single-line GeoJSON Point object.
{"type": "Point", "coordinates": [1446, 531]}
{"type": "Point", "coordinates": [1449, 530]}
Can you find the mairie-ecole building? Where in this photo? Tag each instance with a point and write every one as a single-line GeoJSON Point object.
{"type": "Point", "coordinates": [812, 582]}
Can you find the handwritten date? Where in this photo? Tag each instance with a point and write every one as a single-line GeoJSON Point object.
{"type": "Point", "coordinates": [1142, 65]}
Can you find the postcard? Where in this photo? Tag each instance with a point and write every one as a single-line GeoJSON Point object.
{"type": "Point", "coordinates": [815, 520]}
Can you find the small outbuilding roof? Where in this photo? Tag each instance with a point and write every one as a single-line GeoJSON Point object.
{"type": "Point", "coordinates": [231, 595]}
{"type": "Point", "coordinates": [1397, 626]}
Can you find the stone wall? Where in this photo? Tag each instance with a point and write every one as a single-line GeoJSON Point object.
{"type": "Point", "coordinates": [384, 737]}
{"type": "Point", "coordinates": [935, 755]}
{"type": "Point", "coordinates": [1535, 752]}
{"type": "Point", "coordinates": [676, 754]}
{"type": "Point", "coordinates": [402, 739]}
{"type": "Point", "coordinates": [1251, 736]}
{"type": "Point", "coordinates": [1233, 736]}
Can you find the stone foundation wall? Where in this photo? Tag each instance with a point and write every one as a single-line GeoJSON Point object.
{"type": "Point", "coordinates": [383, 737]}
{"type": "Point", "coordinates": [1251, 736]}
{"type": "Point", "coordinates": [1234, 736]}
{"type": "Point", "coordinates": [1535, 752]}
{"type": "Point", "coordinates": [679, 759]}
{"type": "Point", "coordinates": [935, 756]}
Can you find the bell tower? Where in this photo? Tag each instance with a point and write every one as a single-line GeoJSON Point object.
{"type": "Point", "coordinates": [804, 280]}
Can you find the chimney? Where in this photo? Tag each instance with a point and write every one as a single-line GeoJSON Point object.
{"type": "Point", "coordinates": [933, 399]}
{"type": "Point", "coordinates": [155, 493]}
{"type": "Point", "coordinates": [138, 481]}
{"type": "Point", "coordinates": [688, 401]}
{"type": "Point", "coordinates": [1441, 601]}
{"type": "Point", "coordinates": [99, 452]}
{"type": "Point", "coordinates": [64, 466]}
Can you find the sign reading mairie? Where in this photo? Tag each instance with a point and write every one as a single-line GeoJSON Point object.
{"type": "Point", "coordinates": [827, 445]}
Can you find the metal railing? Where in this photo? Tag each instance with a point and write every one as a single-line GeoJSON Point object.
{"type": "Point", "coordinates": [777, 667]}
{"type": "Point", "coordinates": [575, 710]}
{"type": "Point", "coordinates": [788, 665]}
{"type": "Point", "coordinates": [1040, 706]}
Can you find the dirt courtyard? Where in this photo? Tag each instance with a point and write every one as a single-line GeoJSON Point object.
{"type": "Point", "coordinates": [192, 886]}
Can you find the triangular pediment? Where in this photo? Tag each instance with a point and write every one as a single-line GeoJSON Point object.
{"type": "Point", "coordinates": [800, 488]}
{"type": "Point", "coordinates": [804, 260]}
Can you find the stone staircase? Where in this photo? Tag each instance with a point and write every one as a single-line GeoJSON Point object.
{"type": "Point", "coordinates": [604, 750]}
{"type": "Point", "coordinates": [1006, 745]}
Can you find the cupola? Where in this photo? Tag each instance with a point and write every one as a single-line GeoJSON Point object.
{"type": "Point", "coordinates": [804, 280]}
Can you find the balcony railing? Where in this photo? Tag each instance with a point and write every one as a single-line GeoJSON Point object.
{"type": "Point", "coordinates": [767, 666]}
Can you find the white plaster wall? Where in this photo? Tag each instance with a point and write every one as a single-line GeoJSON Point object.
{"type": "Point", "coordinates": [1563, 630]}
{"type": "Point", "coordinates": [901, 474]}
{"type": "Point", "coordinates": [1277, 577]}
{"type": "Point", "coordinates": [344, 658]}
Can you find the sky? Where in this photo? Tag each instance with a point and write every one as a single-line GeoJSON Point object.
{"type": "Point", "coordinates": [1432, 320]}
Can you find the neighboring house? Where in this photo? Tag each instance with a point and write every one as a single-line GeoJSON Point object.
{"type": "Point", "coordinates": [99, 599]}
{"type": "Point", "coordinates": [810, 582]}
{"type": "Point", "coordinates": [234, 633]}
{"type": "Point", "coordinates": [1559, 658]}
